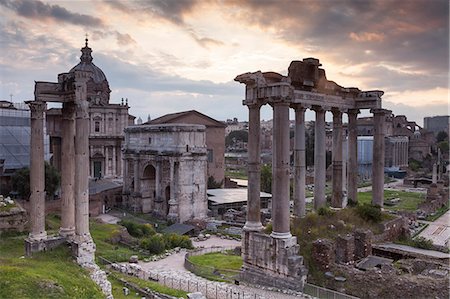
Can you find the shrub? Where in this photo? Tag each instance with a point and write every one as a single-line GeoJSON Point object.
{"type": "Point", "coordinates": [324, 211]}
{"type": "Point", "coordinates": [155, 244]}
{"type": "Point", "coordinates": [174, 240]}
{"type": "Point", "coordinates": [147, 229]}
{"type": "Point", "coordinates": [138, 230]}
{"type": "Point", "coordinates": [421, 242]}
{"type": "Point", "coordinates": [369, 212]}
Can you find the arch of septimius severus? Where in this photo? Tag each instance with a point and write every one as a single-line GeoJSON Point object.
{"type": "Point", "coordinates": [305, 87]}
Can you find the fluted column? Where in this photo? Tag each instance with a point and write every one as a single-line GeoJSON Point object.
{"type": "Point", "coordinates": [336, 200]}
{"type": "Point", "coordinates": [352, 171]}
{"type": "Point", "coordinates": [68, 170]}
{"type": "Point", "coordinates": [82, 165]}
{"type": "Point", "coordinates": [253, 222]}
{"type": "Point", "coordinates": [280, 171]}
{"type": "Point", "coordinates": [378, 157]}
{"type": "Point", "coordinates": [319, 159]}
{"type": "Point", "coordinates": [299, 162]}
{"type": "Point", "coordinates": [114, 159]}
{"type": "Point", "coordinates": [158, 181]}
{"type": "Point", "coordinates": [137, 175]}
{"type": "Point", "coordinates": [37, 172]}
{"type": "Point", "coordinates": [173, 206]}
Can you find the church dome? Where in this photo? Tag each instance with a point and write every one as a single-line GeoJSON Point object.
{"type": "Point", "coordinates": [98, 88]}
{"type": "Point", "coordinates": [86, 65]}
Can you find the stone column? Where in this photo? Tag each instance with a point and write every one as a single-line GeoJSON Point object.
{"type": "Point", "coordinates": [352, 190]}
{"type": "Point", "coordinates": [137, 176]}
{"type": "Point", "coordinates": [378, 157]}
{"type": "Point", "coordinates": [114, 159]}
{"type": "Point", "coordinates": [68, 171]}
{"type": "Point", "coordinates": [253, 222]}
{"type": "Point", "coordinates": [173, 207]}
{"type": "Point", "coordinates": [319, 159]}
{"type": "Point", "coordinates": [336, 200]}
{"type": "Point", "coordinates": [106, 166]}
{"type": "Point", "coordinates": [37, 172]}
{"type": "Point", "coordinates": [280, 171]}
{"type": "Point", "coordinates": [158, 181]}
{"type": "Point", "coordinates": [82, 166]}
{"type": "Point", "coordinates": [299, 162]}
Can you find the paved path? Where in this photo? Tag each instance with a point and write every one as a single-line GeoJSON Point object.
{"type": "Point", "coordinates": [438, 231]}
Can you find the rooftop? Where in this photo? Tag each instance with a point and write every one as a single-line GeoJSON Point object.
{"type": "Point", "coordinates": [232, 195]}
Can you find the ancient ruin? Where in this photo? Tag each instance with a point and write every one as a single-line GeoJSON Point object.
{"type": "Point", "coordinates": [75, 90]}
{"type": "Point", "coordinates": [165, 171]}
{"type": "Point", "coordinates": [305, 87]}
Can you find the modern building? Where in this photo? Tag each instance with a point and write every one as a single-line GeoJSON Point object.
{"type": "Point", "coordinates": [437, 124]}
{"type": "Point", "coordinates": [215, 138]}
{"type": "Point", "coordinates": [15, 135]}
{"type": "Point", "coordinates": [107, 122]}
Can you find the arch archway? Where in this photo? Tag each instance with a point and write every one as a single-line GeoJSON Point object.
{"type": "Point", "coordinates": [148, 186]}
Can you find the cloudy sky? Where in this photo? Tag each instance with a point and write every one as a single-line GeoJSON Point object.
{"type": "Point", "coordinates": [173, 55]}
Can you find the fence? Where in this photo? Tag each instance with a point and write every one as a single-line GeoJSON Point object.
{"type": "Point", "coordinates": [213, 289]}
{"type": "Point", "coordinates": [322, 293]}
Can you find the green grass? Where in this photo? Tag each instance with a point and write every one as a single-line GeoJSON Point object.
{"type": "Point", "coordinates": [207, 265]}
{"type": "Point", "coordinates": [236, 174]}
{"type": "Point", "coordinates": [7, 207]}
{"type": "Point", "coordinates": [409, 201]}
{"type": "Point", "coordinates": [51, 274]}
{"type": "Point", "coordinates": [441, 211]}
{"type": "Point", "coordinates": [102, 233]}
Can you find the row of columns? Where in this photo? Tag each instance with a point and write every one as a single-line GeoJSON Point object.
{"type": "Point", "coordinates": [281, 163]}
{"type": "Point", "coordinates": [74, 171]}
{"type": "Point", "coordinates": [400, 153]}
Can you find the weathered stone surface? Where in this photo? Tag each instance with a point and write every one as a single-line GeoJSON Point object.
{"type": "Point", "coordinates": [323, 253]}
{"type": "Point", "coordinates": [13, 219]}
{"type": "Point", "coordinates": [167, 164]}
{"type": "Point", "coordinates": [264, 255]}
{"type": "Point", "coordinates": [363, 243]}
{"type": "Point", "coordinates": [345, 248]}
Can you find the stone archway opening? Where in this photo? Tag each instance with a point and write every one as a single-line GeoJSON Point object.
{"type": "Point", "coordinates": [148, 187]}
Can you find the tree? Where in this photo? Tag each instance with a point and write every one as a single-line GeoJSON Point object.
{"type": "Point", "coordinates": [441, 136]}
{"type": "Point", "coordinates": [21, 181]}
{"type": "Point", "coordinates": [266, 178]}
{"type": "Point", "coordinates": [236, 136]}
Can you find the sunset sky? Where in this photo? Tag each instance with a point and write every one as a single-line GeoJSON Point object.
{"type": "Point", "coordinates": [170, 56]}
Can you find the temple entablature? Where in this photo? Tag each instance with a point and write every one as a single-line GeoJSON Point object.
{"type": "Point", "coordinates": [307, 84]}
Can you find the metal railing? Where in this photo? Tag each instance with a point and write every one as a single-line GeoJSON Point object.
{"type": "Point", "coordinates": [323, 293]}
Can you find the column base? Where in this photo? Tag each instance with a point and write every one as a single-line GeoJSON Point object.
{"type": "Point", "coordinates": [253, 226]}
{"type": "Point", "coordinates": [265, 256]}
{"type": "Point", "coordinates": [277, 235]}
{"type": "Point", "coordinates": [83, 250]}
{"type": "Point", "coordinates": [68, 233]}
{"type": "Point", "coordinates": [37, 237]}
{"type": "Point", "coordinates": [32, 245]}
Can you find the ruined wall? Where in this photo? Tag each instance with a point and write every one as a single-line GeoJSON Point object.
{"type": "Point", "coordinates": [266, 256]}
{"type": "Point", "coordinates": [191, 193]}
{"type": "Point", "coordinates": [14, 219]}
{"type": "Point", "coordinates": [392, 230]}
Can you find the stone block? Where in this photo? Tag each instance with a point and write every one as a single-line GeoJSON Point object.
{"type": "Point", "coordinates": [345, 248]}
{"type": "Point", "coordinates": [323, 253]}
{"type": "Point", "coordinates": [277, 258]}
{"type": "Point", "coordinates": [363, 243]}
